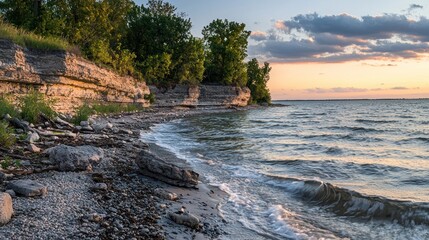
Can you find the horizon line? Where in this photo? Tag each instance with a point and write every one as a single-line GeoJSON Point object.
{"type": "Point", "coordinates": [352, 99]}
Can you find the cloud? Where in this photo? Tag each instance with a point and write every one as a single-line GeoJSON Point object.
{"type": "Point", "coordinates": [399, 88]}
{"type": "Point", "coordinates": [414, 7]}
{"type": "Point", "coordinates": [258, 36]}
{"type": "Point", "coordinates": [342, 38]}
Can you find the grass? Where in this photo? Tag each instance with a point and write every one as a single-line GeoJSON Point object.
{"type": "Point", "coordinates": [85, 111]}
{"type": "Point", "coordinates": [33, 105]}
{"type": "Point", "coordinates": [117, 108]}
{"type": "Point", "coordinates": [6, 107]}
{"type": "Point", "coordinates": [8, 162]}
{"type": "Point", "coordinates": [7, 139]}
{"type": "Point", "coordinates": [82, 113]}
{"type": "Point", "coordinates": [33, 41]}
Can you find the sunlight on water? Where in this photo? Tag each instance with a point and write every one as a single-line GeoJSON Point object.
{"type": "Point", "coordinates": [334, 169]}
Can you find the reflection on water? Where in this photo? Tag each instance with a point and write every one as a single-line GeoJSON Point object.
{"type": "Point", "coordinates": [315, 169]}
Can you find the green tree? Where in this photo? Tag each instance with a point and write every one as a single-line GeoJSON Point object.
{"type": "Point", "coordinates": [226, 49]}
{"type": "Point", "coordinates": [157, 31]}
{"type": "Point", "coordinates": [19, 12]}
{"type": "Point", "coordinates": [96, 26]}
{"type": "Point", "coordinates": [257, 78]}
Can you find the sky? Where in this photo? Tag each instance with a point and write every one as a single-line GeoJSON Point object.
{"type": "Point", "coordinates": [330, 49]}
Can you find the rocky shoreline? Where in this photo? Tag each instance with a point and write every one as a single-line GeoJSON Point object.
{"type": "Point", "coordinates": [111, 198]}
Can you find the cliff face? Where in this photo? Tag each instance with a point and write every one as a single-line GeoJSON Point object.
{"type": "Point", "coordinates": [71, 80]}
{"type": "Point", "coordinates": [68, 79]}
{"type": "Point", "coordinates": [198, 96]}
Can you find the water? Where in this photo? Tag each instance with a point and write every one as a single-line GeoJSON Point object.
{"type": "Point", "coordinates": [315, 169]}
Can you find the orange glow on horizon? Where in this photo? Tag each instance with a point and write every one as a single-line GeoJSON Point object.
{"type": "Point", "coordinates": [351, 80]}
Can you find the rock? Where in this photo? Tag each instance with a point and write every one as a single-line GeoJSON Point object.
{"type": "Point", "coordinates": [79, 158]}
{"type": "Point", "coordinates": [33, 148]}
{"type": "Point", "coordinates": [19, 124]}
{"type": "Point", "coordinates": [27, 188]}
{"type": "Point", "coordinates": [84, 123]}
{"type": "Point", "coordinates": [98, 127]}
{"type": "Point", "coordinates": [186, 219]}
{"type": "Point", "coordinates": [91, 121]}
{"type": "Point", "coordinates": [2, 177]}
{"type": "Point", "coordinates": [7, 117]}
{"type": "Point", "coordinates": [126, 131]}
{"type": "Point", "coordinates": [109, 126]}
{"type": "Point", "coordinates": [6, 208]}
{"type": "Point", "coordinates": [165, 194]}
{"type": "Point", "coordinates": [11, 193]}
{"type": "Point", "coordinates": [32, 137]}
{"type": "Point", "coordinates": [87, 128]}
{"type": "Point", "coordinates": [95, 217]}
{"type": "Point", "coordinates": [155, 167]}
{"type": "Point", "coordinates": [99, 187]}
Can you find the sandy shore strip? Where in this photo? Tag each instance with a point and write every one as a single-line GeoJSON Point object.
{"type": "Point", "coordinates": [114, 200]}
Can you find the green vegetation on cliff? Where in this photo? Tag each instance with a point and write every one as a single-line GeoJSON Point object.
{"type": "Point", "coordinates": [33, 41]}
{"type": "Point", "coordinates": [152, 41]}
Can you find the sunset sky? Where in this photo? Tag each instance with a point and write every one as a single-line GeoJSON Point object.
{"type": "Point", "coordinates": [331, 48]}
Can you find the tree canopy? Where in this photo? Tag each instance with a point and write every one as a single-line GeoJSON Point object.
{"type": "Point", "coordinates": [226, 49]}
{"type": "Point", "coordinates": [257, 78]}
{"type": "Point", "coordinates": [152, 41]}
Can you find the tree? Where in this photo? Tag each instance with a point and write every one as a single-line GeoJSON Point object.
{"type": "Point", "coordinates": [157, 31]}
{"type": "Point", "coordinates": [96, 26]}
{"type": "Point", "coordinates": [257, 78]}
{"type": "Point", "coordinates": [19, 12]}
{"type": "Point", "coordinates": [226, 49]}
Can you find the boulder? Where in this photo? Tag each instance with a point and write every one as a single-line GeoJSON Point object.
{"type": "Point", "coordinates": [6, 208]}
{"type": "Point", "coordinates": [79, 158]}
{"type": "Point", "coordinates": [186, 219]}
{"type": "Point", "coordinates": [27, 188]}
{"type": "Point", "coordinates": [155, 167]}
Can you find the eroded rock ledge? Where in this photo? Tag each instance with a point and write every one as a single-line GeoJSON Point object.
{"type": "Point", "coordinates": [201, 96]}
{"type": "Point", "coordinates": [72, 80]}
{"type": "Point", "coordinates": [63, 76]}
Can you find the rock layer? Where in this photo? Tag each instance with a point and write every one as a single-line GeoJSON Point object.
{"type": "Point", "coordinates": [201, 96]}
{"type": "Point", "coordinates": [65, 77]}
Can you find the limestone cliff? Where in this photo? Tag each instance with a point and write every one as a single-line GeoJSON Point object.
{"type": "Point", "coordinates": [65, 77]}
{"type": "Point", "coordinates": [198, 96]}
{"type": "Point", "coordinates": [72, 80]}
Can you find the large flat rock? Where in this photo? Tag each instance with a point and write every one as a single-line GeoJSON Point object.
{"type": "Point", "coordinates": [158, 168]}
{"type": "Point", "coordinates": [27, 188]}
{"type": "Point", "coordinates": [80, 158]}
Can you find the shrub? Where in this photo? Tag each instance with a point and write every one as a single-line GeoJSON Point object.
{"type": "Point", "coordinates": [116, 108]}
{"type": "Point", "coordinates": [82, 113]}
{"type": "Point", "coordinates": [150, 97]}
{"type": "Point", "coordinates": [6, 107]}
{"type": "Point", "coordinates": [7, 139]}
{"type": "Point", "coordinates": [33, 105]}
{"type": "Point", "coordinates": [9, 162]}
